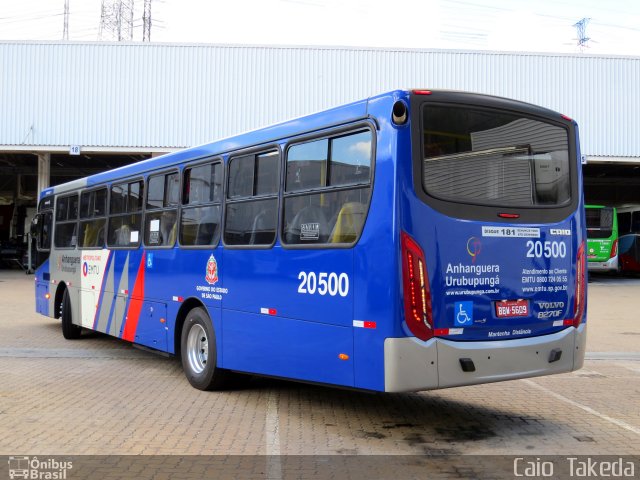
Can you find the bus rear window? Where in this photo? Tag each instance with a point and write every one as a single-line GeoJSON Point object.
{"type": "Point", "coordinates": [599, 222]}
{"type": "Point", "coordinates": [495, 158]}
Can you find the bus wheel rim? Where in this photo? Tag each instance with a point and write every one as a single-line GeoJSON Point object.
{"type": "Point", "coordinates": [197, 348]}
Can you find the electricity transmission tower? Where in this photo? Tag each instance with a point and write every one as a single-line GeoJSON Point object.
{"type": "Point", "coordinates": [65, 30]}
{"type": "Point", "coordinates": [146, 21]}
{"type": "Point", "coordinates": [583, 40]}
{"type": "Point", "coordinates": [116, 20]}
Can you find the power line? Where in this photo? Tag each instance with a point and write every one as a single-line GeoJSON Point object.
{"type": "Point", "coordinates": [29, 15]}
{"type": "Point", "coordinates": [10, 20]}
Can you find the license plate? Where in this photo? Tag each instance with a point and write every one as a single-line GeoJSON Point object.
{"type": "Point", "coordinates": [512, 308]}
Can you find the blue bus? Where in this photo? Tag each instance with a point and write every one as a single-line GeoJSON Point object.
{"type": "Point", "coordinates": [414, 240]}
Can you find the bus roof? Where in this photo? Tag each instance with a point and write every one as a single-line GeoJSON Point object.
{"type": "Point", "coordinates": [273, 133]}
{"type": "Point", "coordinates": [260, 136]}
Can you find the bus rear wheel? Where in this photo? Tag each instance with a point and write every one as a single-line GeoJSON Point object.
{"type": "Point", "coordinates": [198, 352]}
{"type": "Point", "coordinates": [70, 331]}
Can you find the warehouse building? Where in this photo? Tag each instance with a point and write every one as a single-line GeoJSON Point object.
{"type": "Point", "coordinates": [72, 109]}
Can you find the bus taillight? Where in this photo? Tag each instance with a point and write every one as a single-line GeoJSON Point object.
{"type": "Point", "coordinates": [417, 296]}
{"type": "Point", "coordinates": [578, 308]}
{"type": "Point", "coordinates": [614, 249]}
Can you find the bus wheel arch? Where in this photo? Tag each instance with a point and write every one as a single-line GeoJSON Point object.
{"type": "Point", "coordinates": [198, 351]}
{"type": "Point", "coordinates": [186, 306]}
{"type": "Point", "coordinates": [58, 300]}
{"type": "Point", "coordinates": [70, 331]}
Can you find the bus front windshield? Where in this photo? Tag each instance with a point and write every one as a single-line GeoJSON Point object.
{"type": "Point", "coordinates": [495, 158]}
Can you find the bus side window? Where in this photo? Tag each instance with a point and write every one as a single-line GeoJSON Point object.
{"type": "Point", "coordinates": [624, 223]}
{"type": "Point", "coordinates": [161, 218]}
{"type": "Point", "coordinates": [125, 215]}
{"type": "Point", "coordinates": [201, 205]}
{"type": "Point", "coordinates": [327, 190]}
{"type": "Point", "coordinates": [252, 200]}
{"type": "Point", "coordinates": [93, 219]}
{"type": "Point", "coordinates": [66, 228]}
{"type": "Point", "coordinates": [635, 222]}
{"type": "Point", "coordinates": [44, 238]}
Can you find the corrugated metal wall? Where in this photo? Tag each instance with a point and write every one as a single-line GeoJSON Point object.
{"type": "Point", "coordinates": [164, 95]}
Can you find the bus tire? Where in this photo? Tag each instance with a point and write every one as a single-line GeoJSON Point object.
{"type": "Point", "coordinates": [70, 331]}
{"type": "Point", "coordinates": [198, 352]}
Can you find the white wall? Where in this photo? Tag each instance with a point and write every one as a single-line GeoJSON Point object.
{"type": "Point", "coordinates": [145, 96]}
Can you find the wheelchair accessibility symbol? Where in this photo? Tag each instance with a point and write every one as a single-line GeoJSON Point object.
{"type": "Point", "coordinates": [463, 314]}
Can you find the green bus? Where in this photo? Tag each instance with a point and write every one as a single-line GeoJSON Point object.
{"type": "Point", "coordinates": [602, 238]}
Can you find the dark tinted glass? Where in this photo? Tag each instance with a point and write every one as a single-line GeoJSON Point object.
{"type": "Point", "coordinates": [267, 174]}
{"type": "Point", "coordinates": [307, 165]}
{"type": "Point", "coordinates": [93, 204]}
{"type": "Point", "coordinates": [351, 159]}
{"type": "Point", "coordinates": [599, 222]}
{"type": "Point", "coordinates": [62, 205]}
{"type": "Point", "coordinates": [241, 177]}
{"type": "Point", "coordinates": [160, 228]}
{"type": "Point", "coordinates": [155, 195]}
{"type": "Point", "coordinates": [172, 196]}
{"type": "Point", "coordinates": [624, 223]}
{"type": "Point", "coordinates": [118, 203]}
{"type": "Point", "coordinates": [203, 184]}
{"type": "Point", "coordinates": [86, 204]}
{"type": "Point", "coordinates": [200, 225]}
{"type": "Point", "coordinates": [489, 157]}
{"type": "Point", "coordinates": [331, 217]}
{"type": "Point", "coordinates": [251, 223]}
{"type": "Point", "coordinates": [134, 203]}
{"type": "Point", "coordinates": [65, 235]}
{"type": "Point", "coordinates": [73, 208]}
{"type": "Point", "coordinates": [45, 203]}
{"type": "Point", "coordinates": [635, 222]}
{"type": "Point", "coordinates": [44, 231]}
{"type": "Point", "coordinates": [92, 233]}
{"type": "Point", "coordinates": [124, 230]}
{"type": "Point", "coordinates": [100, 203]}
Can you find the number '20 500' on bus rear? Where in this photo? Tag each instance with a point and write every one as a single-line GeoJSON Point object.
{"type": "Point", "coordinates": [500, 282]}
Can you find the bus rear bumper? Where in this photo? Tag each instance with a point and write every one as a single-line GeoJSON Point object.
{"type": "Point", "coordinates": [413, 365]}
{"type": "Point", "coordinates": [610, 265]}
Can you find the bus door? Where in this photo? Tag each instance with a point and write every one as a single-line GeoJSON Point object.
{"type": "Point", "coordinates": [40, 251]}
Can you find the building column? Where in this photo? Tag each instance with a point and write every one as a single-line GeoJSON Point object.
{"type": "Point", "coordinates": [44, 171]}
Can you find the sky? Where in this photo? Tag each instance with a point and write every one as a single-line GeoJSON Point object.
{"type": "Point", "coordinates": [613, 26]}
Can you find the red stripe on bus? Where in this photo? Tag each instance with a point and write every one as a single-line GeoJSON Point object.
{"type": "Point", "coordinates": [135, 304]}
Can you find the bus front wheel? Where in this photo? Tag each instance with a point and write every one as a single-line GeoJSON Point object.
{"type": "Point", "coordinates": [198, 352]}
{"type": "Point", "coordinates": [70, 331]}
